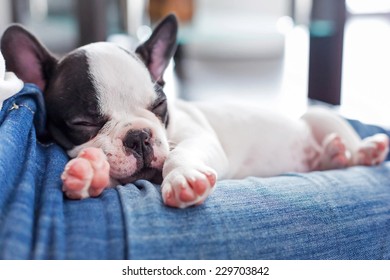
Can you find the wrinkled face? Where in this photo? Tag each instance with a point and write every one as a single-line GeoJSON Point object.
{"type": "Point", "coordinates": [109, 101]}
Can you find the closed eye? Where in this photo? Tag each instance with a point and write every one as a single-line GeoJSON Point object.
{"type": "Point", "coordinates": [160, 109]}
{"type": "Point", "coordinates": [160, 106]}
{"type": "Point", "coordinates": [83, 123]}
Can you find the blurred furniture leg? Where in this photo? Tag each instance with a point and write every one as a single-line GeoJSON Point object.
{"type": "Point", "coordinates": [326, 50]}
{"type": "Point", "coordinates": [19, 10]}
{"type": "Point", "coordinates": [92, 20]}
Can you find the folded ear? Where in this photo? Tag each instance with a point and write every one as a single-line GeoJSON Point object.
{"type": "Point", "coordinates": [26, 56]}
{"type": "Point", "coordinates": [157, 51]}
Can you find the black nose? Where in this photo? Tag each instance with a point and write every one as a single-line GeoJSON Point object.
{"type": "Point", "coordinates": [139, 142]}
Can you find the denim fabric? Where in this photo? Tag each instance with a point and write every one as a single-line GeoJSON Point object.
{"type": "Point", "coordinates": [36, 222]}
{"type": "Point", "coordinates": [321, 215]}
{"type": "Point", "coordinates": [340, 214]}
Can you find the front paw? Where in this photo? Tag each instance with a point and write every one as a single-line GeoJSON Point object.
{"type": "Point", "coordinates": [87, 175]}
{"type": "Point", "coordinates": [186, 186]}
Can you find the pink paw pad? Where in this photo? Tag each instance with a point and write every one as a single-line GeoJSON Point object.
{"type": "Point", "coordinates": [76, 177]}
{"type": "Point", "coordinates": [335, 154]}
{"type": "Point", "coordinates": [100, 166]}
{"type": "Point", "coordinates": [186, 194]}
{"type": "Point", "coordinates": [198, 186]}
{"type": "Point", "coordinates": [87, 175]}
{"type": "Point", "coordinates": [170, 200]}
{"type": "Point", "coordinates": [182, 191]}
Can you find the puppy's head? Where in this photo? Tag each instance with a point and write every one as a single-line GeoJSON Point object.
{"type": "Point", "coordinates": [101, 95]}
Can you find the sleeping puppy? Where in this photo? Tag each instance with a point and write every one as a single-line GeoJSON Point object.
{"type": "Point", "coordinates": [106, 106]}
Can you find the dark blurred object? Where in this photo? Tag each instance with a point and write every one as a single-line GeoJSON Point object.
{"type": "Point", "coordinates": [326, 50]}
{"type": "Point", "coordinates": [66, 24]}
{"type": "Point", "coordinates": [19, 10]}
{"type": "Point", "coordinates": [184, 9]}
{"type": "Point", "coordinates": [92, 21]}
{"type": "Point", "coordinates": [52, 21]}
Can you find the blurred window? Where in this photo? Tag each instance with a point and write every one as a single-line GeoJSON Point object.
{"type": "Point", "coordinates": [368, 6]}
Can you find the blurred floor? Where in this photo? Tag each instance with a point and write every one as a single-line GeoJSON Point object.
{"type": "Point", "coordinates": [281, 84]}
{"type": "Point", "coordinates": [277, 82]}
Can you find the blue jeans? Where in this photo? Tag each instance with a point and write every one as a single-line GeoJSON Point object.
{"type": "Point", "coordinates": [338, 214]}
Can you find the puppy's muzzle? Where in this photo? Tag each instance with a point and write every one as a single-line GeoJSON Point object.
{"type": "Point", "coordinates": [139, 142]}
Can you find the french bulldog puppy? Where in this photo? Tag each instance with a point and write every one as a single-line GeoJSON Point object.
{"type": "Point", "coordinates": [106, 106]}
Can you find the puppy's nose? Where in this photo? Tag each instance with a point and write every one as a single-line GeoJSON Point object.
{"type": "Point", "coordinates": [138, 141]}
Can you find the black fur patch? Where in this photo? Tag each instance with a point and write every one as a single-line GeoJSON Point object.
{"type": "Point", "coordinates": [71, 96]}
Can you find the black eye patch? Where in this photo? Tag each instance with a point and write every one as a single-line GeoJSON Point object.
{"type": "Point", "coordinates": [160, 106]}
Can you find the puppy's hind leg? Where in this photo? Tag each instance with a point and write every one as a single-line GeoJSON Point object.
{"type": "Point", "coordinates": [341, 145]}
{"type": "Point", "coordinates": [372, 150]}
{"type": "Point", "coordinates": [334, 153]}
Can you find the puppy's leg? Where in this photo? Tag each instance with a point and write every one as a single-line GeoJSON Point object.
{"type": "Point", "coordinates": [341, 145]}
{"type": "Point", "coordinates": [87, 175]}
{"type": "Point", "coordinates": [190, 171]}
{"type": "Point", "coordinates": [334, 153]}
{"type": "Point", "coordinates": [372, 150]}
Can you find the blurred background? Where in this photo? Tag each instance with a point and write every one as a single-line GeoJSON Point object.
{"type": "Point", "coordinates": [282, 54]}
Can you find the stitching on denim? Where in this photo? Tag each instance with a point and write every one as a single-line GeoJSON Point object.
{"type": "Point", "coordinates": [31, 110]}
{"type": "Point", "coordinates": [14, 107]}
{"type": "Point", "coordinates": [17, 106]}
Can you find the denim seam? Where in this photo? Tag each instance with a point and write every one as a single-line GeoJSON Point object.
{"type": "Point", "coordinates": [16, 106]}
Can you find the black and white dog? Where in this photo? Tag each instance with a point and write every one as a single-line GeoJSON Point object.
{"type": "Point", "coordinates": [107, 108]}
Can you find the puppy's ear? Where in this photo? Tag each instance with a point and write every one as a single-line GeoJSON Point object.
{"type": "Point", "coordinates": [26, 56]}
{"type": "Point", "coordinates": [157, 51]}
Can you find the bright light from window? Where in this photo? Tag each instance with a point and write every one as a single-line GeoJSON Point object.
{"type": "Point", "coordinates": [284, 24]}
{"type": "Point", "coordinates": [368, 6]}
